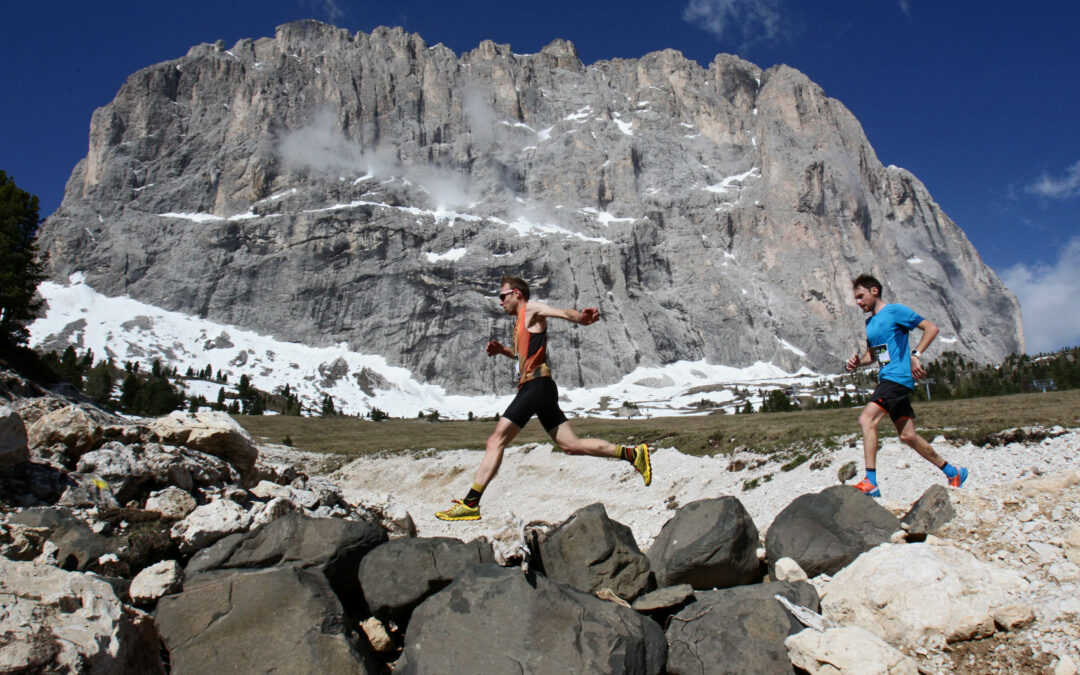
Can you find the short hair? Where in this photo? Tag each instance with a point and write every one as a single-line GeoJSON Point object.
{"type": "Point", "coordinates": [516, 283]}
{"type": "Point", "coordinates": [868, 282]}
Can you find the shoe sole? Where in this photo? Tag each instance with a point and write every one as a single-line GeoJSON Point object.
{"type": "Point", "coordinates": [647, 473]}
{"type": "Point", "coordinates": [448, 518]}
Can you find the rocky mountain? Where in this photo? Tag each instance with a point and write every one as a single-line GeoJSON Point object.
{"type": "Point", "coordinates": [324, 187]}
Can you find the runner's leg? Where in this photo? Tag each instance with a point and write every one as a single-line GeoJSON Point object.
{"type": "Point", "coordinates": [868, 420]}
{"type": "Point", "coordinates": [505, 431]}
{"type": "Point", "coordinates": [906, 428]}
{"type": "Point", "coordinates": [566, 439]}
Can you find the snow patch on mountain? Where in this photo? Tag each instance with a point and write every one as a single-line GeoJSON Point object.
{"type": "Point", "coordinates": [128, 330]}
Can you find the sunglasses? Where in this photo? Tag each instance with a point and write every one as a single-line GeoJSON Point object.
{"type": "Point", "coordinates": [502, 296]}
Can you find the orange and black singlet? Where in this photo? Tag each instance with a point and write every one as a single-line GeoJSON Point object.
{"type": "Point", "coordinates": [531, 350]}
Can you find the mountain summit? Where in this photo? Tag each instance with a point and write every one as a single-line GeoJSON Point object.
{"type": "Point", "coordinates": [324, 187]}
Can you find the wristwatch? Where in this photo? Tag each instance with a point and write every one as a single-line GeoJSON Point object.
{"type": "Point", "coordinates": [916, 352]}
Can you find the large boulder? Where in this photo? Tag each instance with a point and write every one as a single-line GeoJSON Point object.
{"type": "Point", "coordinates": [282, 619]}
{"type": "Point", "coordinates": [589, 552]}
{"type": "Point", "coordinates": [496, 620]}
{"type": "Point", "coordinates": [70, 428]}
{"type": "Point", "coordinates": [847, 650]}
{"type": "Point", "coordinates": [398, 575]}
{"type": "Point", "coordinates": [13, 442]}
{"type": "Point", "coordinates": [920, 594]}
{"type": "Point", "coordinates": [710, 543]}
{"type": "Point", "coordinates": [825, 531]}
{"type": "Point", "coordinates": [53, 621]}
{"type": "Point", "coordinates": [214, 433]}
{"type": "Point", "coordinates": [133, 470]}
{"type": "Point", "coordinates": [332, 546]}
{"type": "Point", "coordinates": [736, 630]}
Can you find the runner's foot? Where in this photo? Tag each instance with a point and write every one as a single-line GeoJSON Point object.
{"type": "Point", "coordinates": [460, 511]}
{"type": "Point", "coordinates": [959, 478]}
{"type": "Point", "coordinates": [641, 462]}
{"type": "Point", "coordinates": [869, 488]}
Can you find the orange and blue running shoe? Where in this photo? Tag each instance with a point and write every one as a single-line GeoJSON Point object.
{"type": "Point", "coordinates": [958, 480]}
{"type": "Point", "coordinates": [869, 488]}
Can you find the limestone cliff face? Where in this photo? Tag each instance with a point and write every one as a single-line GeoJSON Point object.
{"type": "Point", "coordinates": [326, 187]}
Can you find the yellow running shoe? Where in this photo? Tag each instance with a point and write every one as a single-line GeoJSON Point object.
{"type": "Point", "coordinates": [460, 511]}
{"type": "Point", "coordinates": [641, 462]}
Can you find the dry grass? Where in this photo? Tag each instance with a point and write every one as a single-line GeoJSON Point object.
{"type": "Point", "coordinates": [968, 419]}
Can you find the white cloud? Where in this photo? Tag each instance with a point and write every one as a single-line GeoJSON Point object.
{"type": "Point", "coordinates": [905, 7]}
{"type": "Point", "coordinates": [1044, 291]}
{"type": "Point", "coordinates": [320, 146]}
{"type": "Point", "coordinates": [1058, 188]}
{"type": "Point", "coordinates": [750, 20]}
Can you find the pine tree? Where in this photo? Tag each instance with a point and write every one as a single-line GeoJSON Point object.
{"type": "Point", "coordinates": [20, 269]}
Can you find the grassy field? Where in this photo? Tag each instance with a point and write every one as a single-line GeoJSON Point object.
{"type": "Point", "coordinates": [967, 419]}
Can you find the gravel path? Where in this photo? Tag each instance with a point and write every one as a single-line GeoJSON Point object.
{"type": "Point", "coordinates": [536, 483]}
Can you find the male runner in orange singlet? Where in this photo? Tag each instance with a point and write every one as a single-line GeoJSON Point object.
{"type": "Point", "coordinates": [537, 394]}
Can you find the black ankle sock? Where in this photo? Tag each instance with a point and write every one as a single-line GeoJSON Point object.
{"type": "Point", "coordinates": [472, 499]}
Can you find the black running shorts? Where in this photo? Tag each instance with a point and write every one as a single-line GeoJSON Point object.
{"type": "Point", "coordinates": [892, 397]}
{"type": "Point", "coordinates": [538, 397]}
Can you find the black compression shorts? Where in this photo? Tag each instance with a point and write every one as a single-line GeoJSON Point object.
{"type": "Point", "coordinates": [538, 397]}
{"type": "Point", "coordinates": [892, 397]}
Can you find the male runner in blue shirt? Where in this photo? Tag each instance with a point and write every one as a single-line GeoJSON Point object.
{"type": "Point", "coordinates": [887, 343]}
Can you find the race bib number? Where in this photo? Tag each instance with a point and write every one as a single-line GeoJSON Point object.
{"type": "Point", "coordinates": [881, 353]}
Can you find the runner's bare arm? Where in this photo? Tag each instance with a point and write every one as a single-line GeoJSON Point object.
{"type": "Point", "coordinates": [584, 317]}
{"type": "Point", "coordinates": [929, 332]}
{"type": "Point", "coordinates": [864, 359]}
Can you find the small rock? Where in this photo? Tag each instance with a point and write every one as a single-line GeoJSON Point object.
{"type": "Point", "coordinates": [155, 582]}
{"type": "Point", "coordinates": [1046, 552]}
{"type": "Point", "coordinates": [1012, 617]}
{"type": "Point", "coordinates": [788, 570]}
{"type": "Point", "coordinates": [378, 636]}
{"type": "Point", "coordinates": [1065, 666]}
{"type": "Point", "coordinates": [898, 537]}
{"type": "Point", "coordinates": [172, 502]}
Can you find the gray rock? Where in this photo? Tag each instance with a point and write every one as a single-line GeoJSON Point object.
{"type": "Point", "coordinates": [929, 513]}
{"type": "Point", "coordinates": [78, 547]}
{"type": "Point", "coordinates": [496, 620]}
{"type": "Point", "coordinates": [590, 551]}
{"type": "Point", "coordinates": [736, 630]}
{"type": "Point", "coordinates": [13, 446]}
{"type": "Point", "coordinates": [710, 543]}
{"type": "Point", "coordinates": [330, 545]}
{"type": "Point", "coordinates": [282, 619]}
{"type": "Point", "coordinates": [732, 189]}
{"type": "Point", "coordinates": [664, 598]}
{"type": "Point", "coordinates": [398, 575]}
{"type": "Point", "coordinates": [825, 531]}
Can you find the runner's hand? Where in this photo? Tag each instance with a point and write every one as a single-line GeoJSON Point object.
{"type": "Point", "coordinates": [916, 368]}
{"type": "Point", "coordinates": [494, 348]}
{"type": "Point", "coordinates": [589, 315]}
{"type": "Point", "coordinates": [853, 363]}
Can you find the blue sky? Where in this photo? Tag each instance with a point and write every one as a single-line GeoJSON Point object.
{"type": "Point", "coordinates": [979, 99]}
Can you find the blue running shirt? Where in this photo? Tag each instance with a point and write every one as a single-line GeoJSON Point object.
{"type": "Point", "coordinates": [887, 337]}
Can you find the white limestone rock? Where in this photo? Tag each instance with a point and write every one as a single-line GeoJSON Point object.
{"type": "Point", "coordinates": [922, 594]}
{"type": "Point", "coordinates": [56, 621]}
{"type": "Point", "coordinates": [848, 650]}
{"type": "Point", "coordinates": [172, 502]}
{"type": "Point", "coordinates": [208, 523]}
{"type": "Point", "coordinates": [155, 582]}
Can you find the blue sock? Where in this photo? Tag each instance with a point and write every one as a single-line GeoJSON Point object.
{"type": "Point", "coordinates": [871, 475]}
{"type": "Point", "coordinates": [949, 470]}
